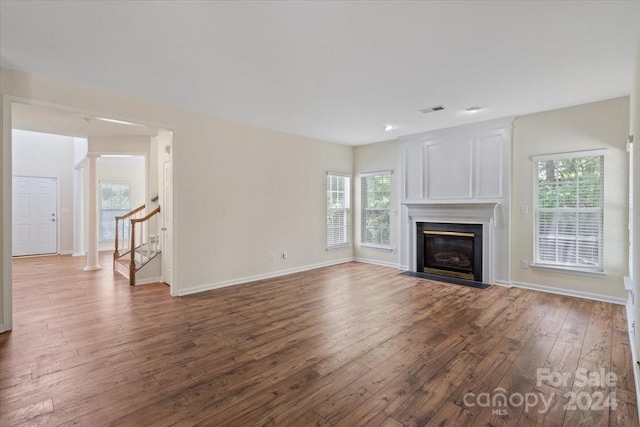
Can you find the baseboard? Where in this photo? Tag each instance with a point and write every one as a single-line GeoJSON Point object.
{"type": "Point", "coordinates": [248, 279]}
{"type": "Point", "coordinates": [403, 267]}
{"type": "Point", "coordinates": [376, 262]}
{"type": "Point", "coordinates": [79, 254]}
{"type": "Point", "coordinates": [2, 329]}
{"type": "Point", "coordinates": [503, 283]}
{"type": "Point", "coordinates": [148, 281]}
{"type": "Point", "coordinates": [69, 252]}
{"type": "Point", "coordinates": [569, 293]}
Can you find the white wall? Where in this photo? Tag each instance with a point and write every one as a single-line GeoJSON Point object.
{"type": "Point", "coordinates": [373, 158]}
{"type": "Point", "coordinates": [584, 127]}
{"type": "Point", "coordinates": [41, 154]}
{"type": "Point", "coordinates": [240, 192]}
{"type": "Point", "coordinates": [635, 131]}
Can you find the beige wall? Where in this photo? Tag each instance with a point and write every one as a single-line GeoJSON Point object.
{"type": "Point", "coordinates": [584, 127]}
{"type": "Point", "coordinates": [372, 158]}
{"type": "Point", "coordinates": [46, 155]}
{"type": "Point", "coordinates": [240, 192]}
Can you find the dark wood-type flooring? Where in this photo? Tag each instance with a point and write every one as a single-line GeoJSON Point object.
{"type": "Point", "coordinates": [348, 345]}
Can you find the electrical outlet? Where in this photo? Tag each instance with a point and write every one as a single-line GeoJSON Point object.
{"type": "Point", "coordinates": [272, 256]}
{"type": "Point", "coordinates": [284, 255]}
{"type": "Point", "coordinates": [524, 264]}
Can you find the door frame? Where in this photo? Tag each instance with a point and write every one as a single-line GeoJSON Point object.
{"type": "Point", "coordinates": [6, 308]}
{"type": "Point", "coordinates": [58, 221]}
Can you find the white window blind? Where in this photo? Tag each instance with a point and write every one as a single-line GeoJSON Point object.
{"type": "Point", "coordinates": [115, 200]}
{"type": "Point", "coordinates": [376, 204]}
{"type": "Point", "coordinates": [569, 211]}
{"type": "Point", "coordinates": [338, 210]}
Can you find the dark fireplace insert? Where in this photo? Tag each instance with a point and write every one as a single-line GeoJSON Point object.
{"type": "Point", "coordinates": [453, 250]}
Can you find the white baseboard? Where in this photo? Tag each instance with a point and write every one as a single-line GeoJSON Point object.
{"type": "Point", "coordinates": [149, 280]}
{"type": "Point", "coordinates": [569, 293]}
{"type": "Point", "coordinates": [248, 279]}
{"type": "Point", "coordinates": [376, 262]}
{"type": "Point", "coordinates": [503, 283]}
{"type": "Point", "coordinates": [79, 254]}
{"type": "Point", "coordinates": [403, 267]}
{"type": "Point", "coordinates": [69, 252]}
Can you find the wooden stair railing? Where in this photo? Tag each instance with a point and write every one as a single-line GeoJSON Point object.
{"type": "Point", "coordinates": [142, 221]}
{"type": "Point", "coordinates": [116, 252]}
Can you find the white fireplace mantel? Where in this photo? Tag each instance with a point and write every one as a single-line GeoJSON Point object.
{"type": "Point", "coordinates": [485, 214]}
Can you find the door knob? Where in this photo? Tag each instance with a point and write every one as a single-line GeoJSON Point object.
{"type": "Point", "coordinates": [164, 229]}
{"type": "Point", "coordinates": [53, 220]}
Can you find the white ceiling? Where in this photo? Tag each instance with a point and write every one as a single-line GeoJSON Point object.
{"type": "Point", "coordinates": [337, 71]}
{"type": "Point", "coordinates": [48, 120]}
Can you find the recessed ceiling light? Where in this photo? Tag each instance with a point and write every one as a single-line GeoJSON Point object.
{"type": "Point", "coordinates": [473, 109]}
{"type": "Point", "coordinates": [389, 127]}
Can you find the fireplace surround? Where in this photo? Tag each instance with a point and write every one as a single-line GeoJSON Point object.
{"type": "Point", "coordinates": [482, 216]}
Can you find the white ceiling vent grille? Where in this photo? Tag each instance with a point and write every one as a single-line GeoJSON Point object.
{"type": "Point", "coordinates": [432, 109]}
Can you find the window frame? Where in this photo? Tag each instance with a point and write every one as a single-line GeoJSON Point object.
{"type": "Point", "coordinates": [346, 209]}
{"type": "Point", "coordinates": [597, 271]}
{"type": "Point", "coordinates": [113, 182]}
{"type": "Point", "coordinates": [364, 209]}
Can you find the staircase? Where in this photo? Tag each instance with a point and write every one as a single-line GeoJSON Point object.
{"type": "Point", "coordinates": [137, 247]}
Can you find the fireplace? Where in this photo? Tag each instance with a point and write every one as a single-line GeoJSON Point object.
{"type": "Point", "coordinates": [453, 250]}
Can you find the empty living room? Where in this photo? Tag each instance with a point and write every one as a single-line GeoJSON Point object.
{"type": "Point", "coordinates": [319, 213]}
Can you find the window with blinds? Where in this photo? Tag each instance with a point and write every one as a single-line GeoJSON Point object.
{"type": "Point", "coordinates": [376, 208]}
{"type": "Point", "coordinates": [338, 210]}
{"type": "Point", "coordinates": [569, 211]}
{"type": "Point", "coordinates": [115, 200]}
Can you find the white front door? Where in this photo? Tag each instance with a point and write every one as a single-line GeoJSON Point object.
{"type": "Point", "coordinates": [35, 219]}
{"type": "Point", "coordinates": [167, 214]}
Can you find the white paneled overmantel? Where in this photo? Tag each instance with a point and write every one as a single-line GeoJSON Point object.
{"type": "Point", "coordinates": [459, 172]}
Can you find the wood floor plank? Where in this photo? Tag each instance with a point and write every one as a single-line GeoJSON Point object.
{"type": "Point", "coordinates": [347, 345]}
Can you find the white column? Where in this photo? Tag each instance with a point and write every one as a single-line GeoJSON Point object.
{"type": "Point", "coordinates": [92, 250]}
{"type": "Point", "coordinates": [78, 212]}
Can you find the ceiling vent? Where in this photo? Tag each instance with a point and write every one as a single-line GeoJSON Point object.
{"type": "Point", "coordinates": [432, 109]}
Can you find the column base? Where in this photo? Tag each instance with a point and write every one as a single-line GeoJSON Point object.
{"type": "Point", "coordinates": [92, 268]}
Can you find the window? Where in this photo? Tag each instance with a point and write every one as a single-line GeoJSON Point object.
{"type": "Point", "coordinates": [115, 200]}
{"type": "Point", "coordinates": [376, 204]}
{"type": "Point", "coordinates": [338, 202]}
{"type": "Point", "coordinates": [569, 210]}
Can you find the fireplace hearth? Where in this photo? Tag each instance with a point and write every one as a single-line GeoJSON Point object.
{"type": "Point", "coordinates": [450, 250]}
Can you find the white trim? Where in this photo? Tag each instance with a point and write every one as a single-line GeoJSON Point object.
{"type": "Point", "coordinates": [148, 281]}
{"type": "Point", "coordinates": [348, 175]}
{"type": "Point", "coordinates": [568, 270]}
{"type": "Point", "coordinates": [67, 252]}
{"type": "Point", "coordinates": [502, 283]}
{"type": "Point", "coordinates": [569, 293]}
{"type": "Point", "coordinates": [387, 172]}
{"type": "Point", "coordinates": [403, 267]}
{"type": "Point", "coordinates": [634, 351]}
{"type": "Point", "coordinates": [79, 254]}
{"type": "Point", "coordinates": [377, 247]}
{"type": "Point", "coordinates": [628, 283]}
{"type": "Point", "coordinates": [248, 279]}
{"type": "Point", "coordinates": [376, 262]}
{"type": "Point", "coordinates": [341, 246]}
{"type": "Point", "coordinates": [570, 155]}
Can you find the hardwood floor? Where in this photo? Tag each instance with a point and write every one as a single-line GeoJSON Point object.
{"type": "Point", "coordinates": [348, 345]}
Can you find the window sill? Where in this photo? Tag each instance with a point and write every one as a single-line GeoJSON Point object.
{"type": "Point", "coordinates": [346, 245]}
{"type": "Point", "coordinates": [568, 270]}
{"type": "Point", "coordinates": [377, 247]}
